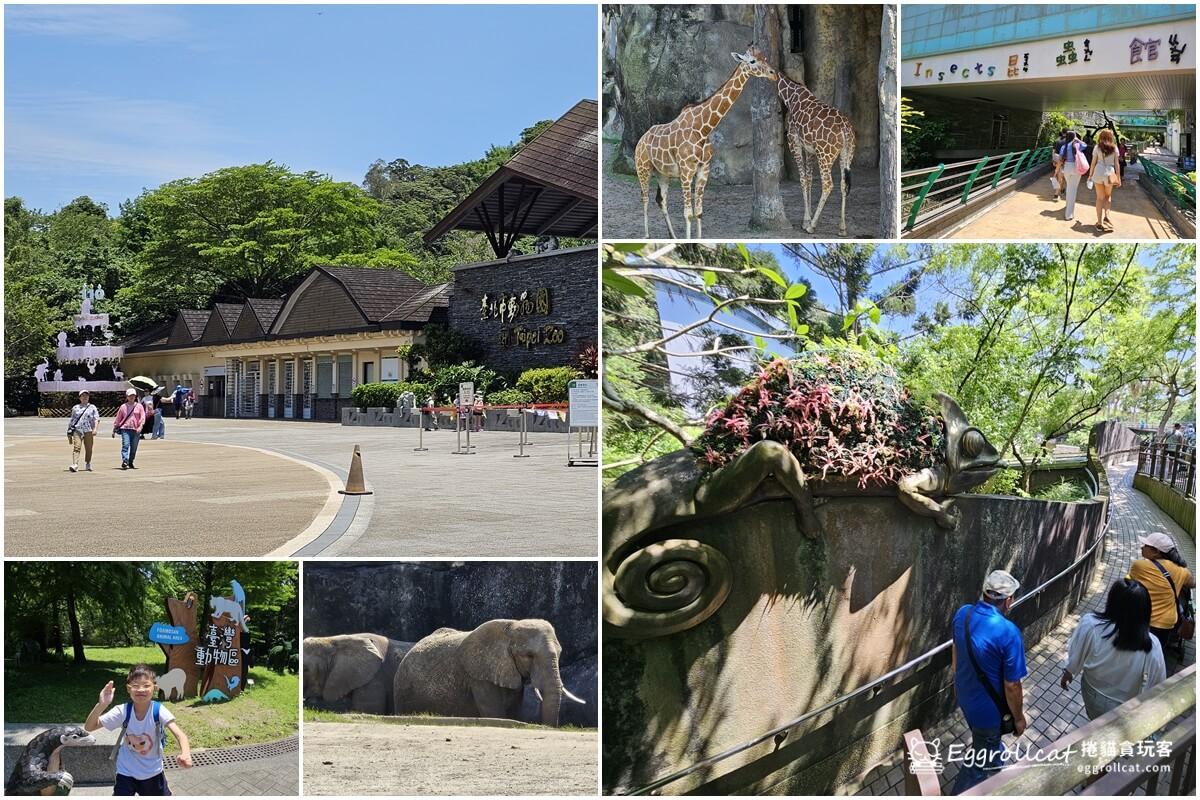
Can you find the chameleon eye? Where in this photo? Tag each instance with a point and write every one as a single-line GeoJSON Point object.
{"type": "Point", "coordinates": [972, 443]}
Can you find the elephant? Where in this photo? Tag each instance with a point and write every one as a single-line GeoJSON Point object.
{"type": "Point", "coordinates": [482, 673]}
{"type": "Point", "coordinates": [357, 669]}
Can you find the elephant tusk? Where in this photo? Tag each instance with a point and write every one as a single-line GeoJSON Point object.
{"type": "Point", "coordinates": [536, 692]}
{"type": "Point", "coordinates": [573, 697]}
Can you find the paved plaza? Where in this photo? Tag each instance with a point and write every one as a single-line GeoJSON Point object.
{"type": "Point", "coordinates": [1051, 711]}
{"type": "Point", "coordinates": [235, 488]}
{"type": "Point", "coordinates": [234, 775]}
{"type": "Point", "coordinates": [1032, 213]}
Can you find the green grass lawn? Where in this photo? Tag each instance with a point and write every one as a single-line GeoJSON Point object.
{"type": "Point", "coordinates": [55, 692]}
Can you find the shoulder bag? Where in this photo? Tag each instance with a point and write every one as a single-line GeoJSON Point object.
{"type": "Point", "coordinates": [1185, 620]}
{"type": "Point", "coordinates": [1007, 723]}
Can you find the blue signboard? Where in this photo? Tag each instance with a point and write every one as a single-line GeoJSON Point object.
{"type": "Point", "coordinates": [162, 633]}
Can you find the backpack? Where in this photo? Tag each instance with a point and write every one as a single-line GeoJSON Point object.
{"type": "Point", "coordinates": [162, 731]}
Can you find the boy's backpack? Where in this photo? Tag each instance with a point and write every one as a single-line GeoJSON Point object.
{"type": "Point", "coordinates": [162, 731]}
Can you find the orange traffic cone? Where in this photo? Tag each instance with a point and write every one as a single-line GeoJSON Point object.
{"type": "Point", "coordinates": [355, 483]}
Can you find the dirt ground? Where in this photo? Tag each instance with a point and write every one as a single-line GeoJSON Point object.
{"type": "Point", "coordinates": [727, 208]}
{"type": "Point", "coordinates": [406, 759]}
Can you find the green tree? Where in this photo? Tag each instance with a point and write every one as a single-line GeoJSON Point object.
{"type": "Point", "coordinates": [244, 232]}
{"type": "Point", "coordinates": [1047, 336]}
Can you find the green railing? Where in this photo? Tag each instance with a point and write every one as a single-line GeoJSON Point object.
{"type": "Point", "coordinates": [928, 193]}
{"type": "Point", "coordinates": [1176, 186]}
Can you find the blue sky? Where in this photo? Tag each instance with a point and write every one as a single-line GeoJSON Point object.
{"type": "Point", "coordinates": [106, 100]}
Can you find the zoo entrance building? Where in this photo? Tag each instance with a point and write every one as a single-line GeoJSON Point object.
{"type": "Point", "coordinates": [300, 356]}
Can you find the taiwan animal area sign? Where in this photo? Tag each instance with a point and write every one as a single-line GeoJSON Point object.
{"type": "Point", "coordinates": [208, 655]}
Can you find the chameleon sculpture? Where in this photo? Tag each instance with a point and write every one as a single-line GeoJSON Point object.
{"type": "Point", "coordinates": [32, 774]}
{"type": "Point", "coordinates": [822, 426]}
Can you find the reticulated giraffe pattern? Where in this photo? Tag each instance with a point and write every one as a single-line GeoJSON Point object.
{"type": "Point", "coordinates": [681, 148]}
{"type": "Point", "coordinates": [819, 132]}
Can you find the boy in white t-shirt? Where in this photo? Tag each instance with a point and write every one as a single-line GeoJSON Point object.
{"type": "Point", "coordinates": [140, 754]}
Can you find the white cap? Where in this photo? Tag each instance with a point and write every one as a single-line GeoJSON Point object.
{"type": "Point", "coordinates": [82, 392]}
{"type": "Point", "coordinates": [131, 392]}
{"type": "Point", "coordinates": [1159, 541]}
{"type": "Point", "coordinates": [1000, 584]}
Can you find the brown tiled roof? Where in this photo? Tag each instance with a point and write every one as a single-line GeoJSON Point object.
{"type": "Point", "coordinates": [383, 293]}
{"type": "Point", "coordinates": [266, 310]}
{"type": "Point", "coordinates": [563, 155]}
{"type": "Point", "coordinates": [549, 187]}
{"type": "Point", "coordinates": [229, 314]}
{"type": "Point", "coordinates": [195, 319]}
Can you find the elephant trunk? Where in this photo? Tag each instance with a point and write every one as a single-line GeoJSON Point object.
{"type": "Point", "coordinates": [548, 682]}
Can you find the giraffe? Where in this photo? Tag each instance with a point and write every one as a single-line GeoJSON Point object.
{"type": "Point", "coordinates": [681, 148]}
{"type": "Point", "coordinates": [815, 130]}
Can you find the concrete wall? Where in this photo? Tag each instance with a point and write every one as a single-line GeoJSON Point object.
{"type": "Point", "coordinates": [409, 600]}
{"type": "Point", "coordinates": [1112, 440]}
{"type": "Point", "coordinates": [807, 621]}
{"type": "Point", "coordinates": [570, 276]}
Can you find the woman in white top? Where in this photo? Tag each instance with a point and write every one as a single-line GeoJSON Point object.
{"type": "Point", "coordinates": [1105, 175]}
{"type": "Point", "coordinates": [1113, 652]}
{"type": "Point", "coordinates": [1071, 150]}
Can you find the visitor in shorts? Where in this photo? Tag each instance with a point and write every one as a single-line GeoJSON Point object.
{"type": "Point", "coordinates": [1057, 180]}
{"type": "Point", "coordinates": [1000, 654]}
{"type": "Point", "coordinates": [142, 722]}
{"type": "Point", "coordinates": [189, 404]}
{"type": "Point", "coordinates": [177, 399]}
{"type": "Point", "coordinates": [128, 423]}
{"type": "Point", "coordinates": [1104, 176]}
{"type": "Point", "coordinates": [1113, 653]}
{"type": "Point", "coordinates": [81, 431]}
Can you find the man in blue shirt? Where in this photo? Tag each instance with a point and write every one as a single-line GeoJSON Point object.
{"type": "Point", "coordinates": [1000, 654]}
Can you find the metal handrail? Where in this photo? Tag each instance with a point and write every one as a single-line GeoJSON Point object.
{"type": "Point", "coordinates": [1175, 185]}
{"type": "Point", "coordinates": [1154, 457]}
{"type": "Point", "coordinates": [905, 667]}
{"type": "Point", "coordinates": [933, 181]}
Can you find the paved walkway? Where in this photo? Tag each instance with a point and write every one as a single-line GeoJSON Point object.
{"type": "Point", "coordinates": [425, 504]}
{"type": "Point", "coordinates": [1052, 712]}
{"type": "Point", "coordinates": [1032, 213]}
{"type": "Point", "coordinates": [274, 775]}
{"type": "Point", "coordinates": [184, 498]}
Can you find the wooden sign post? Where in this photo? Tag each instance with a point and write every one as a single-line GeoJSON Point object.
{"type": "Point", "coordinates": [219, 651]}
{"type": "Point", "coordinates": [182, 657]}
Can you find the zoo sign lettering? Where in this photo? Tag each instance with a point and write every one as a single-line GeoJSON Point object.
{"type": "Point", "coordinates": [507, 307]}
{"type": "Point", "coordinates": [521, 336]}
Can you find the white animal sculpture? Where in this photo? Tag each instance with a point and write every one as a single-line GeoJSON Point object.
{"type": "Point", "coordinates": [171, 684]}
{"type": "Point", "coordinates": [223, 606]}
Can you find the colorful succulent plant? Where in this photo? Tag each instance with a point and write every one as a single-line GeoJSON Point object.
{"type": "Point", "coordinates": [840, 412]}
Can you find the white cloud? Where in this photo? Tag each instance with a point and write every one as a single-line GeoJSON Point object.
{"type": "Point", "coordinates": [133, 23]}
{"type": "Point", "coordinates": [155, 140]}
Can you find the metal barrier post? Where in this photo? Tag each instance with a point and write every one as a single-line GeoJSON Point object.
{"type": "Point", "coordinates": [1000, 169]}
{"type": "Point", "coordinates": [469, 420]}
{"type": "Point", "coordinates": [1024, 155]}
{"type": "Point", "coordinates": [971, 180]}
{"type": "Point", "coordinates": [420, 432]}
{"type": "Point", "coordinates": [521, 442]}
{"type": "Point", "coordinates": [933, 176]}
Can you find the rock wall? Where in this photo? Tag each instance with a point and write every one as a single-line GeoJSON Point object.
{"type": "Point", "coordinates": [659, 58]}
{"type": "Point", "coordinates": [409, 600]}
{"type": "Point", "coordinates": [807, 621]}
{"type": "Point", "coordinates": [533, 337]}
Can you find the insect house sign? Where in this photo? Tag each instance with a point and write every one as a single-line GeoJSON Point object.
{"type": "Point", "coordinates": [205, 659]}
